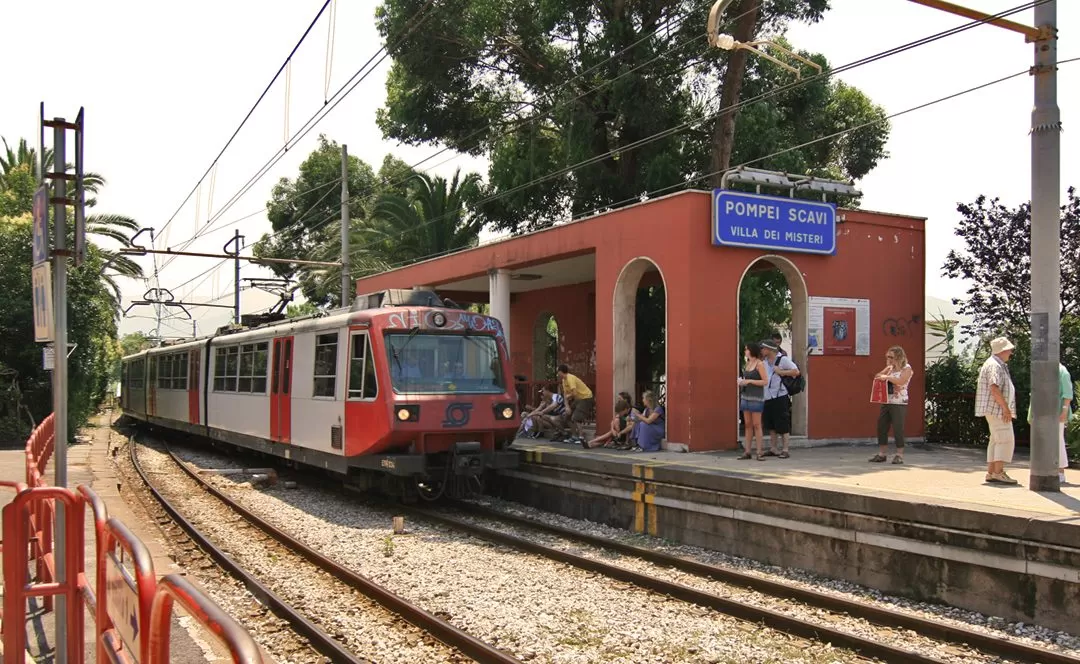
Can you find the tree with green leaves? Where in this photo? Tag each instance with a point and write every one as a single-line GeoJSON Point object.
{"type": "Point", "coordinates": [92, 319]}
{"type": "Point", "coordinates": [18, 182]}
{"type": "Point", "coordinates": [764, 304]}
{"type": "Point", "coordinates": [305, 214]}
{"type": "Point", "coordinates": [537, 89]}
{"type": "Point", "coordinates": [433, 217]}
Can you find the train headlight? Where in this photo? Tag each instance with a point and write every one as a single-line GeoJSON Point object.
{"type": "Point", "coordinates": [504, 411]}
{"type": "Point", "coordinates": [438, 319]}
{"type": "Point", "coordinates": [507, 413]}
{"type": "Point", "coordinates": [408, 413]}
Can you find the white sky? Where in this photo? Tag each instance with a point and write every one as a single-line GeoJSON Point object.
{"type": "Point", "coordinates": [164, 89]}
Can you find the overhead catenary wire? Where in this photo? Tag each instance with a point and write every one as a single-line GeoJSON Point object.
{"type": "Point", "coordinates": [682, 183]}
{"type": "Point", "coordinates": [317, 117]}
{"type": "Point", "coordinates": [687, 125]}
{"type": "Point", "coordinates": [521, 106]}
{"type": "Point", "coordinates": [249, 113]}
{"type": "Point", "coordinates": [298, 227]}
{"type": "Point", "coordinates": [736, 106]}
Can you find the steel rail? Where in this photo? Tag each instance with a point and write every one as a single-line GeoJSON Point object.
{"type": "Point", "coordinates": [321, 642]}
{"type": "Point", "coordinates": [440, 629]}
{"type": "Point", "coordinates": [877, 615]}
{"type": "Point", "coordinates": [768, 617]}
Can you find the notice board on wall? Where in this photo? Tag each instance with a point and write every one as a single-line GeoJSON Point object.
{"type": "Point", "coordinates": [839, 326]}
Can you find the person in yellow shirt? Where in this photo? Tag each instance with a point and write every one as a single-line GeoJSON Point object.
{"type": "Point", "coordinates": [579, 401]}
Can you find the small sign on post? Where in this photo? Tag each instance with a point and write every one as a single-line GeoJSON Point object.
{"type": "Point", "coordinates": [41, 225]}
{"type": "Point", "coordinates": [80, 193]}
{"type": "Point", "coordinates": [42, 293]}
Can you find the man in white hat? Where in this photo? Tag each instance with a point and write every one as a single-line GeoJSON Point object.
{"type": "Point", "coordinates": [995, 399]}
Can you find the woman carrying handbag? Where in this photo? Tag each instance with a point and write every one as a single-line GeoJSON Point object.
{"type": "Point", "coordinates": [896, 375]}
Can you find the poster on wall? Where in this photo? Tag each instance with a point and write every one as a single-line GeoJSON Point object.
{"type": "Point", "coordinates": [839, 326]}
{"type": "Point", "coordinates": [839, 330]}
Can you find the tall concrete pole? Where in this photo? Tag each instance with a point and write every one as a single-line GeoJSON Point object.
{"type": "Point", "coordinates": [1045, 256]}
{"type": "Point", "coordinates": [60, 374]}
{"type": "Point", "coordinates": [346, 286]}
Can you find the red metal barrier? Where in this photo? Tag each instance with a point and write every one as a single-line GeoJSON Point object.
{"type": "Point", "coordinates": [218, 623]}
{"type": "Point", "coordinates": [39, 450]}
{"type": "Point", "coordinates": [132, 614]}
{"type": "Point", "coordinates": [124, 603]}
{"type": "Point", "coordinates": [17, 589]}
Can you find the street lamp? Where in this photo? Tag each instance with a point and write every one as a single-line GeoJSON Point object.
{"type": "Point", "coordinates": [729, 43]}
{"type": "Point", "coordinates": [1045, 235]}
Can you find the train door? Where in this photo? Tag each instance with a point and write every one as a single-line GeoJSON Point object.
{"type": "Point", "coordinates": [281, 391]}
{"type": "Point", "coordinates": [151, 386]}
{"type": "Point", "coordinates": [194, 357]}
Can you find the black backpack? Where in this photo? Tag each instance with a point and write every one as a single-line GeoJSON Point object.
{"type": "Point", "coordinates": [793, 384]}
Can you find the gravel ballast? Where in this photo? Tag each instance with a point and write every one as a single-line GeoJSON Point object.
{"type": "Point", "coordinates": [363, 626]}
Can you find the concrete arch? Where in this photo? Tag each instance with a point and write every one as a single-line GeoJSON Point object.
{"type": "Point", "coordinates": [540, 349]}
{"type": "Point", "coordinates": [624, 322]}
{"type": "Point", "coordinates": [800, 323]}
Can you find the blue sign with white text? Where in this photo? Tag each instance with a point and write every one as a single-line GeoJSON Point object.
{"type": "Point", "coordinates": [773, 222]}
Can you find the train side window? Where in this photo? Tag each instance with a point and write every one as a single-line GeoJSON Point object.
{"type": "Point", "coordinates": [325, 365]}
{"type": "Point", "coordinates": [362, 381]}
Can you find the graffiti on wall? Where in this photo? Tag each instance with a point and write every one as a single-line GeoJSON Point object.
{"type": "Point", "coordinates": [899, 327]}
{"type": "Point", "coordinates": [455, 321]}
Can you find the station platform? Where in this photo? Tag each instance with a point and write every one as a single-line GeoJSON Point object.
{"type": "Point", "coordinates": [929, 528]}
{"type": "Point", "coordinates": [90, 463]}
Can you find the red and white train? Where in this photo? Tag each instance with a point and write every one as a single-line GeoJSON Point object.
{"type": "Point", "coordinates": [400, 393]}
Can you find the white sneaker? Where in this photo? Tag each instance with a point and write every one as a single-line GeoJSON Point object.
{"type": "Point", "coordinates": [1061, 478]}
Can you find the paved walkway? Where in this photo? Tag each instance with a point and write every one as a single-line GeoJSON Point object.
{"type": "Point", "coordinates": [932, 473]}
{"type": "Point", "coordinates": [89, 463]}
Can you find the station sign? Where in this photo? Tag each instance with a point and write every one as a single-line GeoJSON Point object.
{"type": "Point", "coordinates": [42, 292]}
{"type": "Point", "coordinates": [772, 222]}
{"type": "Point", "coordinates": [41, 225]}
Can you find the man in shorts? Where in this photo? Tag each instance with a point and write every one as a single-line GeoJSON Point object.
{"type": "Point", "coordinates": [776, 418]}
{"type": "Point", "coordinates": [579, 402]}
{"type": "Point", "coordinates": [995, 399]}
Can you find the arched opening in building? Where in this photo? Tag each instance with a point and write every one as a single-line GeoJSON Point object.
{"type": "Point", "coordinates": [773, 296]}
{"type": "Point", "coordinates": [640, 334]}
{"type": "Point", "coordinates": [545, 347]}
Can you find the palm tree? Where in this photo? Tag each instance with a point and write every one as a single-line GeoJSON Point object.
{"type": "Point", "coordinates": [113, 226]}
{"type": "Point", "coordinates": [432, 218]}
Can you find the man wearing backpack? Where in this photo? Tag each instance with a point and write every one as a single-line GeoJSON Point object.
{"type": "Point", "coordinates": [777, 416]}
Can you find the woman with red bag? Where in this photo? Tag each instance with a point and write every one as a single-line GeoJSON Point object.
{"type": "Point", "coordinates": [896, 376]}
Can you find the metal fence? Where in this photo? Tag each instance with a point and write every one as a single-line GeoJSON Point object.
{"type": "Point", "coordinates": [950, 418]}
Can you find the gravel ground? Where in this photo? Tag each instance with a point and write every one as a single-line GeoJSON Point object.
{"type": "Point", "coordinates": [1023, 632]}
{"type": "Point", "coordinates": [537, 609]}
{"type": "Point", "coordinates": [272, 634]}
{"type": "Point", "coordinates": [362, 625]}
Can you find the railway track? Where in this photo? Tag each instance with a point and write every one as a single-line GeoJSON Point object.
{"type": "Point", "coordinates": [828, 607]}
{"type": "Point", "coordinates": [873, 614]}
{"type": "Point", "coordinates": [320, 640]}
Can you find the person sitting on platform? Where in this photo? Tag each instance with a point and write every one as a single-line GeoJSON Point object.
{"type": "Point", "coordinates": [548, 415]}
{"type": "Point", "coordinates": [579, 402]}
{"type": "Point", "coordinates": [648, 428]}
{"type": "Point", "coordinates": [616, 437]}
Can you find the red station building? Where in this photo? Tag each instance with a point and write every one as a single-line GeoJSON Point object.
{"type": "Point", "coordinates": [851, 300]}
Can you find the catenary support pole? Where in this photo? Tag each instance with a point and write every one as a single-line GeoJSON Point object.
{"type": "Point", "coordinates": [346, 286]}
{"type": "Point", "coordinates": [60, 375]}
{"type": "Point", "coordinates": [236, 279]}
{"type": "Point", "coordinates": [1045, 256]}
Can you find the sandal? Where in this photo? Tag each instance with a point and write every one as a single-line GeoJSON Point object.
{"type": "Point", "coordinates": [761, 457]}
{"type": "Point", "coordinates": [784, 455]}
{"type": "Point", "coordinates": [744, 457]}
{"type": "Point", "coordinates": [897, 459]}
{"type": "Point", "coordinates": [879, 458]}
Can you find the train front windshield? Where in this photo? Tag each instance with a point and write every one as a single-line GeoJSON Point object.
{"type": "Point", "coordinates": [444, 364]}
